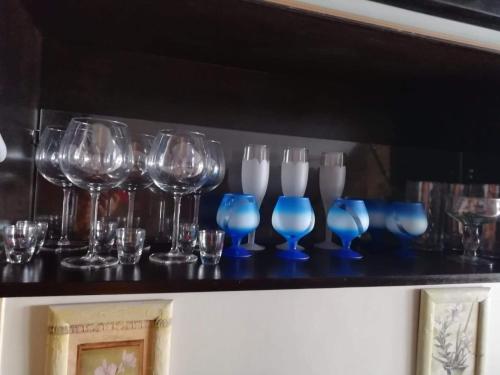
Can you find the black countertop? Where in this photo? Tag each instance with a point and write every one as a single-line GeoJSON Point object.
{"type": "Point", "coordinates": [45, 277]}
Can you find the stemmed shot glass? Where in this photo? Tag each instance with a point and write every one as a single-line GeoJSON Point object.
{"type": "Point", "coordinates": [216, 170]}
{"type": "Point", "coordinates": [47, 163]}
{"type": "Point", "coordinates": [254, 180]}
{"type": "Point", "coordinates": [177, 164]}
{"type": "Point", "coordinates": [331, 185]}
{"type": "Point", "coordinates": [95, 156]}
{"type": "Point", "coordinates": [294, 175]}
{"type": "Point", "coordinates": [138, 178]}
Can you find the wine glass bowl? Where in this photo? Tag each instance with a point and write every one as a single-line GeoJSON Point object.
{"type": "Point", "coordinates": [348, 218]}
{"type": "Point", "coordinates": [406, 220]}
{"type": "Point", "coordinates": [96, 153]}
{"type": "Point", "coordinates": [472, 213]}
{"type": "Point", "coordinates": [177, 164]}
{"type": "Point", "coordinates": [293, 218]}
{"type": "Point", "coordinates": [238, 215]}
{"type": "Point", "coordinates": [177, 161]}
{"type": "Point", "coordinates": [95, 156]}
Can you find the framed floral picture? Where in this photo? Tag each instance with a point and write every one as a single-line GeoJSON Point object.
{"type": "Point", "coordinates": [451, 333]}
{"type": "Point", "coordinates": [125, 338]}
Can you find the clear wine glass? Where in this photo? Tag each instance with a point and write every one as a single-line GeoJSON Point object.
{"type": "Point", "coordinates": [177, 164]}
{"type": "Point", "coordinates": [216, 170]}
{"type": "Point", "coordinates": [47, 163]}
{"type": "Point", "coordinates": [254, 180]}
{"type": "Point", "coordinates": [95, 156]}
{"type": "Point", "coordinates": [138, 177]}
{"type": "Point", "coordinates": [294, 175]}
{"type": "Point", "coordinates": [331, 185]}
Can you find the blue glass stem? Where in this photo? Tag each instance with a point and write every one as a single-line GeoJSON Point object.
{"type": "Point", "coordinates": [292, 244]}
{"type": "Point", "coordinates": [236, 241]}
{"type": "Point", "coordinates": [346, 243]}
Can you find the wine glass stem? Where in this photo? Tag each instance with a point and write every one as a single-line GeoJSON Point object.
{"type": "Point", "coordinates": [328, 234]}
{"type": "Point", "coordinates": [131, 204]}
{"type": "Point", "coordinates": [65, 216]}
{"type": "Point", "coordinates": [161, 219]}
{"type": "Point", "coordinates": [175, 229]}
{"type": "Point", "coordinates": [471, 240]}
{"type": "Point", "coordinates": [196, 214]}
{"type": "Point", "coordinates": [94, 203]}
{"type": "Point", "coordinates": [292, 244]}
{"type": "Point", "coordinates": [251, 238]}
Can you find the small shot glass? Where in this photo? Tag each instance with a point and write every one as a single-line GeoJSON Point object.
{"type": "Point", "coordinates": [20, 242]}
{"type": "Point", "coordinates": [42, 227]}
{"type": "Point", "coordinates": [211, 244]}
{"type": "Point", "coordinates": [130, 243]}
{"type": "Point", "coordinates": [188, 236]}
{"type": "Point", "coordinates": [105, 233]}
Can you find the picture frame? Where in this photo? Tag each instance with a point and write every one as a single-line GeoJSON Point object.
{"type": "Point", "coordinates": [102, 338]}
{"type": "Point", "coordinates": [452, 331]}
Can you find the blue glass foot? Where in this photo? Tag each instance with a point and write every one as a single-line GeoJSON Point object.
{"type": "Point", "coordinates": [347, 254]}
{"type": "Point", "coordinates": [292, 254]}
{"type": "Point", "coordinates": [236, 252]}
{"type": "Point", "coordinates": [406, 252]}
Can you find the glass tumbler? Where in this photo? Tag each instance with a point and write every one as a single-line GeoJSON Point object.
{"type": "Point", "coordinates": [105, 235]}
{"type": "Point", "coordinates": [188, 235]}
{"type": "Point", "coordinates": [130, 243]}
{"type": "Point", "coordinates": [20, 242]}
{"type": "Point", "coordinates": [211, 243]}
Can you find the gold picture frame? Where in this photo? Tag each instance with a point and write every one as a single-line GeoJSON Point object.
{"type": "Point", "coordinates": [129, 337]}
{"type": "Point", "coordinates": [452, 331]}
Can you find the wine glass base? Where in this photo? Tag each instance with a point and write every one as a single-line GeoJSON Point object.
{"type": "Point", "coordinates": [284, 246]}
{"type": "Point", "coordinates": [347, 254]}
{"type": "Point", "coordinates": [327, 245]}
{"type": "Point", "coordinates": [236, 252]}
{"type": "Point", "coordinates": [169, 258]}
{"type": "Point", "coordinates": [67, 246]}
{"type": "Point", "coordinates": [292, 255]}
{"type": "Point", "coordinates": [253, 247]}
{"type": "Point", "coordinates": [86, 262]}
{"type": "Point", "coordinates": [469, 259]}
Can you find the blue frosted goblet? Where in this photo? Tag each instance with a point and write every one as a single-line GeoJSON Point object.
{"type": "Point", "coordinates": [293, 218]}
{"type": "Point", "coordinates": [348, 219]}
{"type": "Point", "coordinates": [406, 220]}
{"type": "Point", "coordinates": [222, 216]}
{"type": "Point", "coordinates": [238, 215]}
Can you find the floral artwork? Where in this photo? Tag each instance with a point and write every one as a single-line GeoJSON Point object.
{"type": "Point", "coordinates": [455, 339]}
{"type": "Point", "coordinates": [114, 358]}
{"type": "Point", "coordinates": [451, 338]}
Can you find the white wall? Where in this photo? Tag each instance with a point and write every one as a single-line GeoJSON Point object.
{"type": "Point", "coordinates": [352, 331]}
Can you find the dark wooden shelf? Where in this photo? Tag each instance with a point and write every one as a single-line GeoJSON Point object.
{"type": "Point", "coordinates": [44, 276]}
